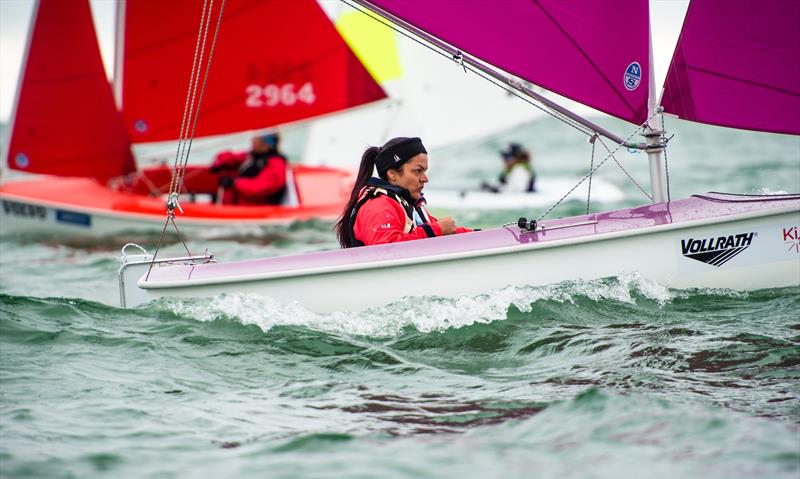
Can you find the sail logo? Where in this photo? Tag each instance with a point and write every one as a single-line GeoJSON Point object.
{"type": "Point", "coordinates": [716, 251]}
{"type": "Point", "coordinates": [791, 236]}
{"type": "Point", "coordinates": [140, 126]}
{"type": "Point", "coordinates": [633, 76]}
{"type": "Point", "coordinates": [21, 160]}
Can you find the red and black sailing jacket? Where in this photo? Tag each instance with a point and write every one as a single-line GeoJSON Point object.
{"type": "Point", "coordinates": [386, 213]}
{"type": "Point", "coordinates": [260, 178]}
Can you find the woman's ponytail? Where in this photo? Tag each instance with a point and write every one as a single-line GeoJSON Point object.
{"type": "Point", "coordinates": [365, 170]}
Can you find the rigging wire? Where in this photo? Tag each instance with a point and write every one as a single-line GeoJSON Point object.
{"type": "Point", "coordinates": [592, 140]}
{"type": "Point", "coordinates": [202, 92]}
{"type": "Point", "coordinates": [190, 95]}
{"type": "Point", "coordinates": [666, 161]}
{"type": "Point", "coordinates": [610, 155]}
{"type": "Point", "coordinates": [630, 177]}
{"type": "Point", "coordinates": [191, 115]}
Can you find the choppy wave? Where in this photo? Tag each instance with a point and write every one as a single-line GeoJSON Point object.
{"type": "Point", "coordinates": [424, 314]}
{"type": "Point", "coordinates": [576, 378]}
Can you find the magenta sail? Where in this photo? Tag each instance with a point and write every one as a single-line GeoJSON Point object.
{"type": "Point", "coordinates": [737, 64]}
{"type": "Point", "coordinates": [592, 51]}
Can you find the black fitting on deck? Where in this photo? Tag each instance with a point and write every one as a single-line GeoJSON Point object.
{"type": "Point", "coordinates": [526, 225]}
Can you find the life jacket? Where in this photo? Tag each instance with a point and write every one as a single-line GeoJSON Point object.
{"type": "Point", "coordinates": [253, 165]}
{"type": "Point", "coordinates": [416, 214]}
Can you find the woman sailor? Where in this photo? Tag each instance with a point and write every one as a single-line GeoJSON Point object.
{"type": "Point", "coordinates": [391, 208]}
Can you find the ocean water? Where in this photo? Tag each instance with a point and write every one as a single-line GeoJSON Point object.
{"type": "Point", "coordinates": [614, 378]}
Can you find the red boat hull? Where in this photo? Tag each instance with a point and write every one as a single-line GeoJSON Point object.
{"type": "Point", "coordinates": [82, 206]}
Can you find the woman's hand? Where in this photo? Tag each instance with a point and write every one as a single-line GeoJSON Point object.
{"type": "Point", "coordinates": [448, 225]}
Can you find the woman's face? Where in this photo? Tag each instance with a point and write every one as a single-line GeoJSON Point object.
{"type": "Point", "coordinates": [411, 175]}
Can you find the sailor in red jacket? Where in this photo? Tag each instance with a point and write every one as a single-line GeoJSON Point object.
{"type": "Point", "coordinates": [253, 178]}
{"type": "Point", "coordinates": [391, 208]}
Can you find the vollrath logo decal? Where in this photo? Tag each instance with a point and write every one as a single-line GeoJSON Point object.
{"type": "Point", "coordinates": [716, 251]}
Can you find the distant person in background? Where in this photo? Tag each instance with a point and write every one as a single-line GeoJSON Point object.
{"type": "Point", "coordinates": [518, 175]}
{"type": "Point", "coordinates": [391, 208]}
{"type": "Point", "coordinates": [256, 177]}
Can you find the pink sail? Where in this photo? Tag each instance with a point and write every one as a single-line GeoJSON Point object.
{"type": "Point", "coordinates": [275, 61]}
{"type": "Point", "coordinates": [592, 51]}
{"type": "Point", "coordinates": [737, 64]}
{"type": "Point", "coordinates": [66, 122]}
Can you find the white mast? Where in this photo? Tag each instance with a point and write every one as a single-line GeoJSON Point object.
{"type": "Point", "coordinates": [653, 135]}
{"type": "Point", "coordinates": [119, 46]}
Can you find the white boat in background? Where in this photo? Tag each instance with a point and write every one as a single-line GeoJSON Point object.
{"type": "Point", "coordinates": [711, 240]}
{"type": "Point", "coordinates": [547, 192]}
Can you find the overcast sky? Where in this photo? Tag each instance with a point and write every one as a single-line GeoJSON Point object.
{"type": "Point", "coordinates": [15, 23]}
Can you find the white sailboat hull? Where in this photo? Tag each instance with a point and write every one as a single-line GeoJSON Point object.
{"type": "Point", "coordinates": [661, 252]}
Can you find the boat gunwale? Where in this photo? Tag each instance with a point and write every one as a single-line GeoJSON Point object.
{"type": "Point", "coordinates": [210, 221]}
{"type": "Point", "coordinates": [444, 257]}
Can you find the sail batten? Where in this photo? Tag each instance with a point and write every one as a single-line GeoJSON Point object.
{"type": "Point", "coordinates": [737, 65]}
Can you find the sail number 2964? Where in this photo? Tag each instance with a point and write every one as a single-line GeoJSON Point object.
{"type": "Point", "coordinates": [287, 94]}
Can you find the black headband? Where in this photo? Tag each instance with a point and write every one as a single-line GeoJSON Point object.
{"type": "Point", "coordinates": [394, 156]}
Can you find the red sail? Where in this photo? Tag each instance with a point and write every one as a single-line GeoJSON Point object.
{"type": "Point", "coordinates": [66, 122]}
{"type": "Point", "coordinates": [275, 61]}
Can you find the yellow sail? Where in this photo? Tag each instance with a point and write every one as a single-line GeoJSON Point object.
{"type": "Point", "coordinates": [373, 43]}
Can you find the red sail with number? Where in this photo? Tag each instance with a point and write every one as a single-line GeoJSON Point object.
{"type": "Point", "coordinates": [274, 62]}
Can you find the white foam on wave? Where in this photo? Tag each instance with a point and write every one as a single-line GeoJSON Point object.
{"type": "Point", "coordinates": [427, 314]}
{"type": "Point", "coordinates": [765, 190]}
{"type": "Point", "coordinates": [721, 292]}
